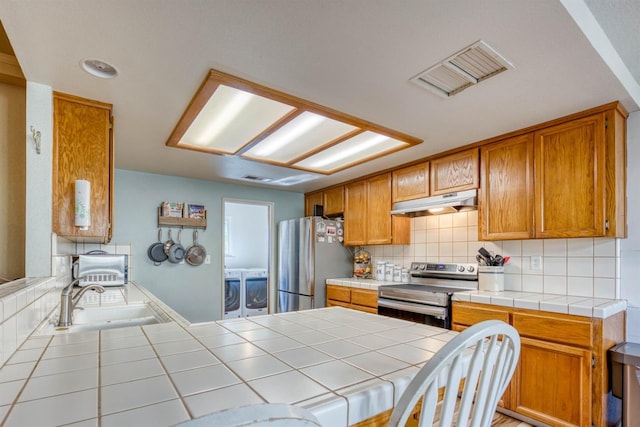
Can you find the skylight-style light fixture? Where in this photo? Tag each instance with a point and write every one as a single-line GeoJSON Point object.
{"type": "Point", "coordinates": [233, 116]}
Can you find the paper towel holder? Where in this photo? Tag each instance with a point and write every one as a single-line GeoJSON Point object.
{"type": "Point", "coordinates": [82, 204]}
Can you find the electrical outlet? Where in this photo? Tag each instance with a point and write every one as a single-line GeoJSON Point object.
{"type": "Point", "coordinates": [207, 259]}
{"type": "Point", "coordinates": [536, 263]}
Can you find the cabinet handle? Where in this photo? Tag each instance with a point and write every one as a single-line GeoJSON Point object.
{"type": "Point", "coordinates": [606, 225]}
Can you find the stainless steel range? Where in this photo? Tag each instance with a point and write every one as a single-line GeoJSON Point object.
{"type": "Point", "coordinates": [427, 296]}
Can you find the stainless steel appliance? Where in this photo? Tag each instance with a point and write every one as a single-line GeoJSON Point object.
{"type": "Point", "coordinates": [310, 251]}
{"type": "Point", "coordinates": [101, 269]}
{"type": "Point", "coordinates": [437, 205]}
{"type": "Point", "coordinates": [427, 296]}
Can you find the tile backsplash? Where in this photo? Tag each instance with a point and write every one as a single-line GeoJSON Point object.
{"type": "Point", "coordinates": [588, 267]}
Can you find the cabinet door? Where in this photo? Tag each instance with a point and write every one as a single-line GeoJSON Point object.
{"type": "Point", "coordinates": [410, 183]}
{"type": "Point", "coordinates": [506, 189]}
{"type": "Point", "coordinates": [379, 209]}
{"type": "Point", "coordinates": [334, 201]}
{"type": "Point", "coordinates": [365, 298]}
{"type": "Point", "coordinates": [82, 149]}
{"type": "Point", "coordinates": [552, 383]}
{"type": "Point", "coordinates": [310, 200]}
{"type": "Point", "coordinates": [456, 172]}
{"type": "Point", "coordinates": [570, 179]}
{"type": "Point", "coordinates": [338, 293]}
{"type": "Point", "coordinates": [355, 213]}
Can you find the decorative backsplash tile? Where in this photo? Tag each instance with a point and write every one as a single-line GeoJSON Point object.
{"type": "Point", "coordinates": [588, 267]}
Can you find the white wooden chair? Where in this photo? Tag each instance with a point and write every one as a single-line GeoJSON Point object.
{"type": "Point", "coordinates": [484, 356]}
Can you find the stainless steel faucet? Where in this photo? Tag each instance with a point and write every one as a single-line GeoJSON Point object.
{"type": "Point", "coordinates": [68, 301]}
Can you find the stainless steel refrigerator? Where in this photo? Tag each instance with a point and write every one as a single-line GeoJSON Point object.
{"type": "Point", "coordinates": [310, 251]}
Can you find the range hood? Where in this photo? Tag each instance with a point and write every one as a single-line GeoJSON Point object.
{"type": "Point", "coordinates": [436, 205]}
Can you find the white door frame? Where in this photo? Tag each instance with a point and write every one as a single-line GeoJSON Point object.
{"type": "Point", "coordinates": [272, 305]}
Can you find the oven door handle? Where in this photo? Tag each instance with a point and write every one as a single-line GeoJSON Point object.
{"type": "Point", "coordinates": [439, 312]}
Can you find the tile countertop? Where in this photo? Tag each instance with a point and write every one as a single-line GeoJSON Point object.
{"type": "Point", "coordinates": [343, 365]}
{"type": "Point", "coordinates": [576, 305]}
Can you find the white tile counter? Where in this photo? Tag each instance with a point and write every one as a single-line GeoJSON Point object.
{"type": "Point", "coordinates": [580, 306]}
{"type": "Point", "coordinates": [343, 365]}
{"type": "Point", "coordinates": [576, 305]}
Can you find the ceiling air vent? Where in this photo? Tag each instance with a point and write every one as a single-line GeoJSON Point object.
{"type": "Point", "coordinates": [466, 68]}
{"type": "Point", "coordinates": [256, 178]}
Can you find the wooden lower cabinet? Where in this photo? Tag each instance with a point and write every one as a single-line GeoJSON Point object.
{"type": "Point", "coordinates": [562, 374]}
{"type": "Point", "coordinates": [355, 298]}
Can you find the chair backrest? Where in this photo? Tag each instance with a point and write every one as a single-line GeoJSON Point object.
{"type": "Point", "coordinates": [484, 357]}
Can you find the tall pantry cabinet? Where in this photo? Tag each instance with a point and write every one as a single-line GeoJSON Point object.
{"type": "Point", "coordinates": [82, 149]}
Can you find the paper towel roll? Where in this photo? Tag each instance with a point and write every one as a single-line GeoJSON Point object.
{"type": "Point", "coordinates": [83, 204]}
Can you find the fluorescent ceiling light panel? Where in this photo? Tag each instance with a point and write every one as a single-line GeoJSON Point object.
{"type": "Point", "coordinates": [352, 151]}
{"type": "Point", "coordinates": [308, 131]}
{"type": "Point", "coordinates": [236, 117]}
{"type": "Point", "coordinates": [231, 118]}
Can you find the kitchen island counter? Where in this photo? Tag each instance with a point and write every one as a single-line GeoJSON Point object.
{"type": "Point", "coordinates": [343, 365]}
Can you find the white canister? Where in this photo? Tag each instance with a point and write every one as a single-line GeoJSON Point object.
{"type": "Point", "coordinates": [405, 275]}
{"type": "Point", "coordinates": [388, 272]}
{"type": "Point", "coordinates": [491, 278]}
{"type": "Point", "coordinates": [380, 269]}
{"type": "Point", "coordinates": [397, 273]}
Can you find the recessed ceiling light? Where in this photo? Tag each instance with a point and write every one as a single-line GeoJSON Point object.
{"type": "Point", "coordinates": [233, 116]}
{"type": "Point", "coordinates": [99, 68]}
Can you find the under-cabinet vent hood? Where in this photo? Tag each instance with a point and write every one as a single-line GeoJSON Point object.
{"type": "Point", "coordinates": [436, 205]}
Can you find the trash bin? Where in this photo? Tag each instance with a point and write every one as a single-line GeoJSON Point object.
{"type": "Point", "coordinates": [625, 380]}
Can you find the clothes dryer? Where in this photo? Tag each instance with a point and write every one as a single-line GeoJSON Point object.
{"type": "Point", "coordinates": [256, 291]}
{"type": "Point", "coordinates": [233, 293]}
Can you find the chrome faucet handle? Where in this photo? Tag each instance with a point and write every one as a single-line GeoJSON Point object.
{"type": "Point", "coordinates": [68, 302]}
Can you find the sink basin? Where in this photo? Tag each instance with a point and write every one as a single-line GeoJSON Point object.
{"type": "Point", "coordinates": [109, 317]}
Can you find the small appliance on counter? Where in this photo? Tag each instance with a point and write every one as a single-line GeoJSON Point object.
{"type": "Point", "coordinates": [101, 268]}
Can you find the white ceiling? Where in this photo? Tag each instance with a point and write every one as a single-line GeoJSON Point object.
{"type": "Point", "coordinates": [356, 56]}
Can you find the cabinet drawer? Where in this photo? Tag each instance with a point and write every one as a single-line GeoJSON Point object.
{"type": "Point", "coordinates": [471, 314]}
{"type": "Point", "coordinates": [339, 293]}
{"type": "Point", "coordinates": [334, 303]}
{"type": "Point", "coordinates": [564, 329]}
{"type": "Point", "coordinates": [365, 297]}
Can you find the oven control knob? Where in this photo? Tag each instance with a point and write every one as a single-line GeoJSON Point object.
{"type": "Point", "coordinates": [461, 268]}
{"type": "Point", "coordinates": [470, 269]}
{"type": "Point", "coordinates": [422, 267]}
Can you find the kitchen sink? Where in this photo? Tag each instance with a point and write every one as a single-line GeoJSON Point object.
{"type": "Point", "coordinates": [107, 317]}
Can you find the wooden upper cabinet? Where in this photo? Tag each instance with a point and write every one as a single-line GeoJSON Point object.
{"type": "Point", "coordinates": [333, 201]}
{"type": "Point", "coordinates": [570, 179]}
{"type": "Point", "coordinates": [410, 183]}
{"type": "Point", "coordinates": [310, 200]}
{"type": "Point", "coordinates": [82, 149]}
{"type": "Point", "coordinates": [355, 213]}
{"type": "Point", "coordinates": [506, 189]}
{"type": "Point", "coordinates": [456, 172]}
{"type": "Point", "coordinates": [379, 209]}
{"type": "Point", "coordinates": [367, 214]}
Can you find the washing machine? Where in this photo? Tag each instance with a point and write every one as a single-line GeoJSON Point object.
{"type": "Point", "coordinates": [256, 291]}
{"type": "Point", "coordinates": [233, 292]}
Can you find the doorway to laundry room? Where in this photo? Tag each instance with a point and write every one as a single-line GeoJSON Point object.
{"type": "Point", "coordinates": [247, 262]}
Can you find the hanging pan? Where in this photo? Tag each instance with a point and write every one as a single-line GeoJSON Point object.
{"type": "Point", "coordinates": [196, 252]}
{"type": "Point", "coordinates": [176, 251]}
{"type": "Point", "coordinates": [156, 251]}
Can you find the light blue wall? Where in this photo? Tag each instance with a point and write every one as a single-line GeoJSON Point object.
{"type": "Point", "coordinates": [194, 292]}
